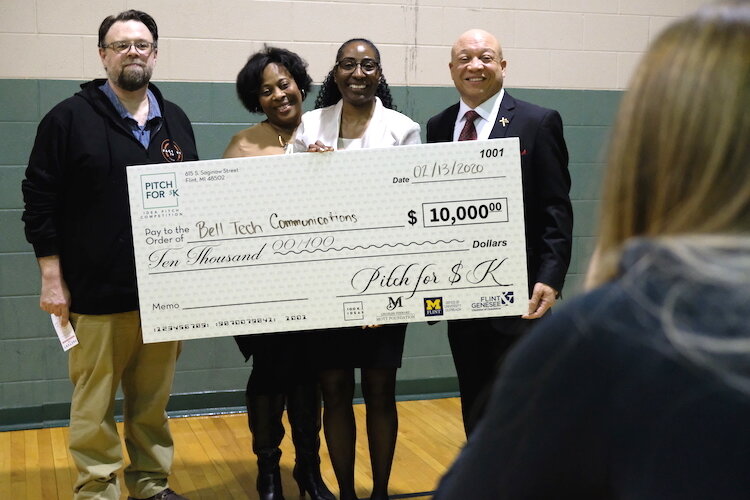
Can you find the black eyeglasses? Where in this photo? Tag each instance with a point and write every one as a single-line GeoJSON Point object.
{"type": "Point", "coordinates": [122, 46]}
{"type": "Point", "coordinates": [350, 64]}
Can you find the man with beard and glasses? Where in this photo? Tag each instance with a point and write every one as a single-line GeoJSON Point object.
{"type": "Point", "coordinates": [77, 219]}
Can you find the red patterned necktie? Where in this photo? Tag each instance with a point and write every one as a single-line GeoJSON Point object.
{"type": "Point", "coordinates": [469, 132]}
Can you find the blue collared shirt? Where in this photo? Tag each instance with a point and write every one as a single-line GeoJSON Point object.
{"type": "Point", "coordinates": [153, 120]}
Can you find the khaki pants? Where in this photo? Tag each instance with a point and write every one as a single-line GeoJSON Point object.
{"type": "Point", "coordinates": [111, 352]}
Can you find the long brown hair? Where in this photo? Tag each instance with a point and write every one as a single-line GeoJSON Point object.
{"type": "Point", "coordinates": [679, 161]}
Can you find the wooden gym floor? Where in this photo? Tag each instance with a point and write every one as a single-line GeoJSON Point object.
{"type": "Point", "coordinates": [213, 459]}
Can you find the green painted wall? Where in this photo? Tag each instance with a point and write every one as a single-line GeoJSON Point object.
{"type": "Point", "coordinates": [34, 388]}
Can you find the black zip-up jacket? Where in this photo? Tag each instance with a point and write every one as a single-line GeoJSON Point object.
{"type": "Point", "coordinates": [76, 197]}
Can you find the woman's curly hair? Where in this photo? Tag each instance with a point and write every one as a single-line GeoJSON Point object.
{"type": "Point", "coordinates": [250, 77]}
{"type": "Point", "coordinates": [329, 92]}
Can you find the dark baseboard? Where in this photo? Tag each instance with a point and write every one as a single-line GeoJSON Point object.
{"type": "Point", "coordinates": [207, 403]}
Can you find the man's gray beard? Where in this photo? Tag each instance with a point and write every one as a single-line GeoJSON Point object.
{"type": "Point", "coordinates": [133, 80]}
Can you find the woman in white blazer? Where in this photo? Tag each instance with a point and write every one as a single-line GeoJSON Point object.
{"type": "Point", "coordinates": [355, 111]}
{"type": "Point", "coordinates": [386, 127]}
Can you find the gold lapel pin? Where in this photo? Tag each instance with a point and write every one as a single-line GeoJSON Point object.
{"type": "Point", "coordinates": [504, 121]}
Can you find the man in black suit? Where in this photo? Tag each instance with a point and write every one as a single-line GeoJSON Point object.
{"type": "Point", "coordinates": [487, 111]}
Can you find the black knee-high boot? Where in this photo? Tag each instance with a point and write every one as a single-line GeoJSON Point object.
{"type": "Point", "coordinates": [264, 413]}
{"type": "Point", "coordinates": [303, 410]}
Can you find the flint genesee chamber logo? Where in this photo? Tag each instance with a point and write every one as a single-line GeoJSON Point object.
{"type": "Point", "coordinates": [433, 306]}
{"type": "Point", "coordinates": [503, 299]}
{"type": "Point", "coordinates": [160, 190]}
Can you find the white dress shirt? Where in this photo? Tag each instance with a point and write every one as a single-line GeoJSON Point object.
{"type": "Point", "coordinates": [486, 119]}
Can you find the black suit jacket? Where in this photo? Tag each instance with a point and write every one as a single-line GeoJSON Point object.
{"type": "Point", "coordinates": [545, 177]}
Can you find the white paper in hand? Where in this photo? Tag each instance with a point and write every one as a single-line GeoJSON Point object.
{"type": "Point", "coordinates": [66, 334]}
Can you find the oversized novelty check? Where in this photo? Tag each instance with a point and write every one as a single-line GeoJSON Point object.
{"type": "Point", "coordinates": [320, 240]}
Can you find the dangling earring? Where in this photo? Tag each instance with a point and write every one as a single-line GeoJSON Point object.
{"type": "Point", "coordinates": [304, 94]}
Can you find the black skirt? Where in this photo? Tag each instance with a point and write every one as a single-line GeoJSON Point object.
{"type": "Point", "coordinates": [357, 347]}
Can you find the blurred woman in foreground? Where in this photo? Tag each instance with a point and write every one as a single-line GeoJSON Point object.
{"type": "Point", "coordinates": [640, 389]}
{"type": "Point", "coordinates": [275, 81]}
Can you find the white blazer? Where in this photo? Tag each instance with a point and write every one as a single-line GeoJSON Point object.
{"type": "Point", "coordinates": [386, 128]}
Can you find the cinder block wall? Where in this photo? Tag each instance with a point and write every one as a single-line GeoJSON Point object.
{"type": "Point", "coordinates": [572, 55]}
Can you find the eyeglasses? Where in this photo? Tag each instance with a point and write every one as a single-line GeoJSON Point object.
{"type": "Point", "coordinates": [349, 64]}
{"type": "Point", "coordinates": [143, 47]}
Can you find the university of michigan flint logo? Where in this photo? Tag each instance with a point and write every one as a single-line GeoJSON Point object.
{"type": "Point", "coordinates": [159, 190]}
{"type": "Point", "coordinates": [433, 306]}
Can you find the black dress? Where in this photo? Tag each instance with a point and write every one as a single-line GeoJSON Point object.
{"type": "Point", "coordinates": [357, 347]}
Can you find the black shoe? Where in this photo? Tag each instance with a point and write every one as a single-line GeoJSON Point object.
{"type": "Point", "coordinates": [167, 494]}
{"type": "Point", "coordinates": [269, 484]}
{"type": "Point", "coordinates": [309, 480]}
